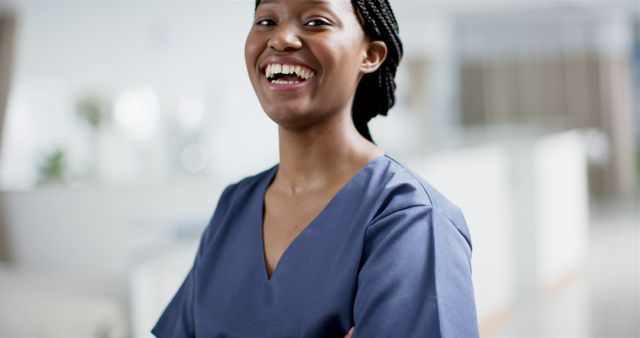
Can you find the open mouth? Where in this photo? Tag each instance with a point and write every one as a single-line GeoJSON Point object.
{"type": "Point", "coordinates": [287, 74]}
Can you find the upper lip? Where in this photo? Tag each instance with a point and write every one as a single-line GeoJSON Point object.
{"type": "Point", "coordinates": [284, 60]}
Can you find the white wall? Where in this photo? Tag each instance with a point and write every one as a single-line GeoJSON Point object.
{"type": "Point", "coordinates": [103, 229]}
{"type": "Point", "coordinates": [526, 204]}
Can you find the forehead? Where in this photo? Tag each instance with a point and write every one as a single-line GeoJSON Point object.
{"type": "Point", "coordinates": [337, 4]}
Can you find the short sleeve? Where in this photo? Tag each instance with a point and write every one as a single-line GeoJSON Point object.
{"type": "Point", "coordinates": [415, 278]}
{"type": "Point", "coordinates": [178, 318]}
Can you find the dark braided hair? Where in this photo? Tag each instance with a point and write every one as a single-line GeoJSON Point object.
{"type": "Point", "coordinates": [375, 94]}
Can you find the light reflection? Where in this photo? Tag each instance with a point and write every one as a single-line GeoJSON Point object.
{"type": "Point", "coordinates": [136, 111]}
{"type": "Point", "coordinates": [193, 158]}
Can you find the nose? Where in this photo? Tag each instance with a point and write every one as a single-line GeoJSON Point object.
{"type": "Point", "coordinates": [285, 38]}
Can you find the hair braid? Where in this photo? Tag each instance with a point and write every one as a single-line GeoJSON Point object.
{"type": "Point", "coordinates": [375, 94]}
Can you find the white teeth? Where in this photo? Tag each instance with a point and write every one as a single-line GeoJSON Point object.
{"type": "Point", "coordinates": [300, 71]}
{"type": "Point", "coordinates": [284, 82]}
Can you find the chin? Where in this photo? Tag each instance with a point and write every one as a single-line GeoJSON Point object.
{"type": "Point", "coordinates": [291, 117]}
{"type": "Point", "coordinates": [285, 117]}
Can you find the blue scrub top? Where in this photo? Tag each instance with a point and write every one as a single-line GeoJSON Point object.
{"type": "Point", "coordinates": [388, 254]}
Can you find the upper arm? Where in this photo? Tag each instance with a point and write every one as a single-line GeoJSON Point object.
{"type": "Point", "coordinates": [178, 318]}
{"type": "Point", "coordinates": [415, 278]}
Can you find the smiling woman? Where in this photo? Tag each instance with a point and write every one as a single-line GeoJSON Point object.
{"type": "Point", "coordinates": [338, 234]}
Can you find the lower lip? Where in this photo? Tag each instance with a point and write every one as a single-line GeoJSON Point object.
{"type": "Point", "coordinates": [281, 87]}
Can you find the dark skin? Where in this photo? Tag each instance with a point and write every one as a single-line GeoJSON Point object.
{"type": "Point", "coordinates": [320, 148]}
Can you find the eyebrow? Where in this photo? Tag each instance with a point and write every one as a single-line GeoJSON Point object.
{"type": "Point", "coordinates": [312, 1]}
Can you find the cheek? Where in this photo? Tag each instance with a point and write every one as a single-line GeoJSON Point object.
{"type": "Point", "coordinates": [342, 58]}
{"type": "Point", "coordinates": [345, 67]}
{"type": "Point", "coordinates": [251, 51]}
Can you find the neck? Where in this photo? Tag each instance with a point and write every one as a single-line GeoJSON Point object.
{"type": "Point", "coordinates": [317, 157]}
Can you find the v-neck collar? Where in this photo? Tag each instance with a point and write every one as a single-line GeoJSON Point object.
{"type": "Point", "coordinates": [268, 179]}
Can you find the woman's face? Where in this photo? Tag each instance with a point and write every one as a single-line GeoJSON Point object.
{"type": "Point", "coordinates": [305, 59]}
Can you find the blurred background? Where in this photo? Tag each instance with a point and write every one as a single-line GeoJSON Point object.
{"type": "Point", "coordinates": [122, 121]}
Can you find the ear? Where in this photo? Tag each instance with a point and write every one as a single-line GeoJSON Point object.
{"type": "Point", "coordinates": [373, 56]}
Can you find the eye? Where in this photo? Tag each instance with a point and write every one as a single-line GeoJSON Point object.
{"type": "Point", "coordinates": [265, 22]}
{"type": "Point", "coordinates": [317, 23]}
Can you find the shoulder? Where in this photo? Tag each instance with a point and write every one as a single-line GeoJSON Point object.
{"type": "Point", "coordinates": [401, 190]}
{"type": "Point", "coordinates": [236, 196]}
